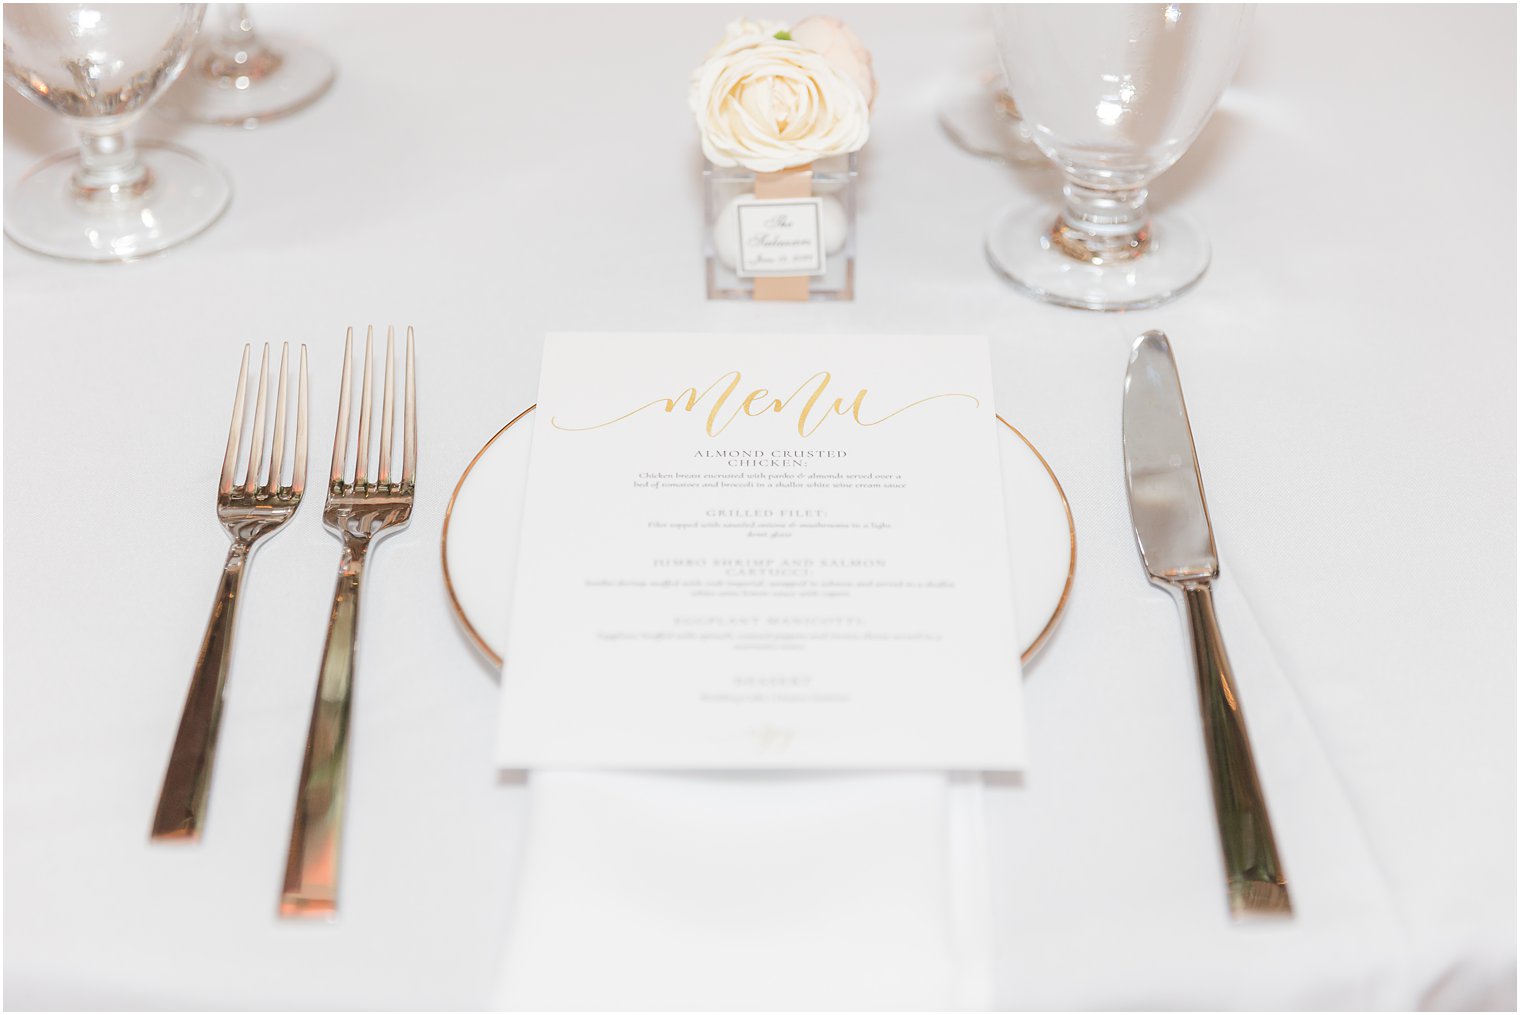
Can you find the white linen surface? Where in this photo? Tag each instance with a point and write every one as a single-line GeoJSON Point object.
{"type": "Point", "coordinates": [490, 174]}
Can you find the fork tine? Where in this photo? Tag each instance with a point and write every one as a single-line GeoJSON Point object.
{"type": "Point", "coordinates": [340, 439]}
{"type": "Point", "coordinates": [229, 462]}
{"type": "Point", "coordinates": [361, 467]}
{"type": "Point", "coordinates": [256, 438]}
{"type": "Point", "coordinates": [298, 478]}
{"type": "Point", "coordinates": [387, 406]}
{"type": "Point", "coordinates": [277, 457]}
{"type": "Point", "coordinates": [409, 438]}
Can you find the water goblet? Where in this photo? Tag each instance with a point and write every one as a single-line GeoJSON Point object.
{"type": "Point", "coordinates": [238, 78]}
{"type": "Point", "coordinates": [99, 66]}
{"type": "Point", "coordinates": [1113, 94]}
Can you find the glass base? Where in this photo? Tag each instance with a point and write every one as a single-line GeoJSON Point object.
{"type": "Point", "coordinates": [301, 76]}
{"type": "Point", "coordinates": [1020, 248]}
{"type": "Point", "coordinates": [970, 114]}
{"type": "Point", "coordinates": [185, 196]}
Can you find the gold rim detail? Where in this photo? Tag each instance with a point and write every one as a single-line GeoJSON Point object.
{"type": "Point", "coordinates": [495, 657]}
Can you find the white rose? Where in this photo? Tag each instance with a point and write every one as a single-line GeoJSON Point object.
{"type": "Point", "coordinates": [769, 104]}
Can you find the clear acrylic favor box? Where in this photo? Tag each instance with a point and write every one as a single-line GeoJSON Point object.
{"type": "Point", "coordinates": [781, 236]}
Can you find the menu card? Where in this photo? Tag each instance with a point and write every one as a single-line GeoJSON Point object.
{"type": "Point", "coordinates": [763, 551]}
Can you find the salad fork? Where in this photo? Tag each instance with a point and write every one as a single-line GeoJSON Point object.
{"type": "Point", "coordinates": [358, 513]}
{"type": "Point", "coordinates": [249, 511]}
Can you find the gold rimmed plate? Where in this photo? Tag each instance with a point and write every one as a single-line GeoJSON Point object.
{"type": "Point", "coordinates": [481, 525]}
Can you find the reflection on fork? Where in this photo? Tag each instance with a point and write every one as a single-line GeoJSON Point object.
{"type": "Point", "coordinates": [249, 511]}
{"type": "Point", "coordinates": [359, 512]}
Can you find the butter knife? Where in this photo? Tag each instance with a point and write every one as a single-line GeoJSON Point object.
{"type": "Point", "coordinates": [1176, 540]}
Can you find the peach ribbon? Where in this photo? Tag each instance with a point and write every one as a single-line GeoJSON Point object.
{"type": "Point", "coordinates": [784, 185]}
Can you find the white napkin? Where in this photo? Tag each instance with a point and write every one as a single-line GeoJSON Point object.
{"type": "Point", "coordinates": [751, 890]}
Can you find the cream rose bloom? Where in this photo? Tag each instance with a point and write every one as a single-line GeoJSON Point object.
{"type": "Point", "coordinates": [769, 104]}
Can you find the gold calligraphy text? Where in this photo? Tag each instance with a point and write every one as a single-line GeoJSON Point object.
{"type": "Point", "coordinates": [815, 407]}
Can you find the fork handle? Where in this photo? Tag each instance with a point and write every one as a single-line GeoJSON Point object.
{"type": "Point", "coordinates": [187, 782]}
{"type": "Point", "coordinates": [311, 868]}
{"type": "Point", "coordinates": [1253, 873]}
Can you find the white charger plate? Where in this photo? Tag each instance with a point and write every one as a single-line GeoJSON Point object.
{"type": "Point", "coordinates": [480, 531]}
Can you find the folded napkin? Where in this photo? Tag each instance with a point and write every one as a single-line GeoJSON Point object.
{"type": "Point", "coordinates": [681, 891]}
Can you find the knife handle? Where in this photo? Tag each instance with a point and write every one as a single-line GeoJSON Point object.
{"type": "Point", "coordinates": [1253, 873]}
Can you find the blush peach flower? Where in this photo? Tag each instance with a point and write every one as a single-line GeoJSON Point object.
{"type": "Point", "coordinates": [832, 39]}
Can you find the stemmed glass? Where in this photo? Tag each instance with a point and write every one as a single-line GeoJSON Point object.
{"type": "Point", "coordinates": [99, 66]}
{"type": "Point", "coordinates": [241, 79]}
{"type": "Point", "coordinates": [1113, 94]}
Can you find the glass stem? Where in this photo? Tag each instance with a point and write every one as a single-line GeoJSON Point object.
{"type": "Point", "coordinates": [1102, 226]}
{"type": "Point", "coordinates": [109, 171]}
{"type": "Point", "coordinates": [237, 51]}
{"type": "Point", "coordinates": [237, 31]}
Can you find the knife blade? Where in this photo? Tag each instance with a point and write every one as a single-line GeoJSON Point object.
{"type": "Point", "coordinates": [1176, 541]}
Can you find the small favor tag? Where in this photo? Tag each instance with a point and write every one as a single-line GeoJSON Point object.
{"type": "Point", "coordinates": [780, 238]}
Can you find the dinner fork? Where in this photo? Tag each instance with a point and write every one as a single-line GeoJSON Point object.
{"type": "Point", "coordinates": [359, 513]}
{"type": "Point", "coordinates": [249, 511]}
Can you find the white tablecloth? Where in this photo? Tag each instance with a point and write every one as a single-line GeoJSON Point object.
{"type": "Point", "coordinates": [489, 174]}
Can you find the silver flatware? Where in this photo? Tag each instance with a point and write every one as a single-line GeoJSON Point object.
{"type": "Point", "coordinates": [359, 512]}
{"type": "Point", "coordinates": [1176, 540]}
{"type": "Point", "coordinates": [250, 511]}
